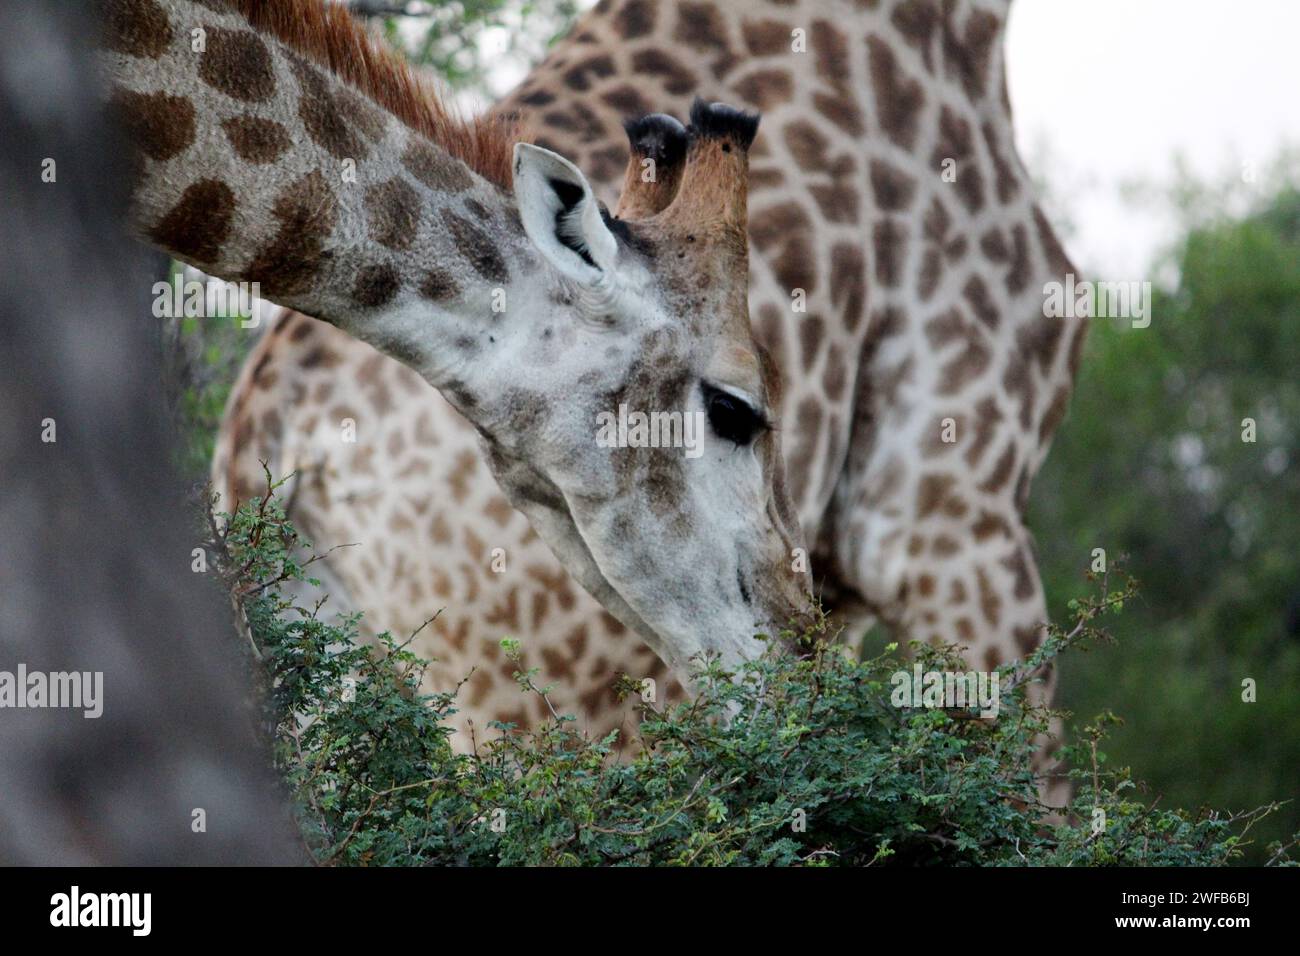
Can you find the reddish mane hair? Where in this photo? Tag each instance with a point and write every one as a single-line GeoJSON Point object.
{"type": "Point", "coordinates": [328, 34]}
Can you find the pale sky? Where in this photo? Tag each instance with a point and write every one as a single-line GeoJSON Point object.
{"type": "Point", "coordinates": [1106, 91]}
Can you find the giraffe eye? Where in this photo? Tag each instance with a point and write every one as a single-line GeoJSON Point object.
{"type": "Point", "coordinates": [731, 417]}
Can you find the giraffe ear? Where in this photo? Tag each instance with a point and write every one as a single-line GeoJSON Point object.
{"type": "Point", "coordinates": [561, 215]}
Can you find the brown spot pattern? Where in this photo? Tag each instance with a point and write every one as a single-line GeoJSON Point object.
{"type": "Point", "coordinates": [635, 19]}
{"type": "Point", "coordinates": [898, 98]}
{"type": "Point", "coordinates": [256, 140]}
{"type": "Point", "coordinates": [990, 603]}
{"type": "Point", "coordinates": [840, 109]}
{"type": "Point", "coordinates": [807, 145]}
{"type": "Point", "coordinates": [932, 492]}
{"type": "Point", "coordinates": [160, 125]}
{"type": "Point", "coordinates": [1057, 260]}
{"type": "Point", "coordinates": [1055, 412]}
{"type": "Point", "coordinates": [948, 328]}
{"type": "Point", "coordinates": [838, 201]}
{"type": "Point", "coordinates": [678, 80]}
{"type": "Point", "coordinates": [1018, 565]}
{"type": "Point", "coordinates": [811, 331]}
{"type": "Point", "coordinates": [1002, 469]}
{"type": "Point", "coordinates": [628, 100]}
{"type": "Point", "coordinates": [307, 211]}
{"type": "Point", "coordinates": [375, 286]}
{"type": "Point", "coordinates": [435, 168]}
{"type": "Point", "coordinates": [848, 283]}
{"type": "Point", "coordinates": [765, 89]}
{"type": "Point", "coordinates": [393, 209]}
{"type": "Point", "coordinates": [894, 189]}
{"type": "Point", "coordinates": [363, 114]}
{"type": "Point", "coordinates": [700, 25]}
{"type": "Point", "coordinates": [438, 285]}
{"type": "Point", "coordinates": [889, 240]}
{"type": "Point", "coordinates": [325, 115]}
{"type": "Point", "coordinates": [477, 247]}
{"type": "Point", "coordinates": [989, 524]}
{"type": "Point", "coordinates": [987, 417]}
{"type": "Point", "coordinates": [981, 301]}
{"type": "Point", "coordinates": [237, 63]}
{"type": "Point", "coordinates": [832, 53]}
{"type": "Point", "coordinates": [766, 37]}
{"type": "Point", "coordinates": [580, 77]}
{"type": "Point", "coordinates": [136, 28]}
{"type": "Point", "coordinates": [1008, 184]}
{"type": "Point", "coordinates": [916, 21]}
{"type": "Point", "coordinates": [195, 228]}
{"type": "Point", "coordinates": [969, 54]}
{"type": "Point", "coordinates": [956, 142]}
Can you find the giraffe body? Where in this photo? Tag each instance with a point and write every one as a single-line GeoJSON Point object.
{"type": "Point", "coordinates": [922, 322]}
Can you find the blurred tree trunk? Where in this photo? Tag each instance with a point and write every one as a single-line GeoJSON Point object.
{"type": "Point", "coordinates": [95, 541]}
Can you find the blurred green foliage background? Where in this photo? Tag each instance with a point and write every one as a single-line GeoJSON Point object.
{"type": "Point", "coordinates": [1151, 464]}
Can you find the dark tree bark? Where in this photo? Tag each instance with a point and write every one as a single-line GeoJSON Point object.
{"type": "Point", "coordinates": [95, 538]}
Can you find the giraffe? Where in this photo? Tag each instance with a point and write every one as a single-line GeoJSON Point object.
{"type": "Point", "coordinates": [922, 383]}
{"type": "Point", "coordinates": [282, 147]}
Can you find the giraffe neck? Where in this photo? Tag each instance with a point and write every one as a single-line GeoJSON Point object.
{"type": "Point", "coordinates": [258, 164]}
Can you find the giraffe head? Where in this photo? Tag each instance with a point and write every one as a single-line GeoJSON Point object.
{"type": "Point", "coordinates": [288, 149]}
{"type": "Point", "coordinates": [644, 322]}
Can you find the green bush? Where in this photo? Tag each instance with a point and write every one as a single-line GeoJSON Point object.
{"type": "Point", "coordinates": [797, 758]}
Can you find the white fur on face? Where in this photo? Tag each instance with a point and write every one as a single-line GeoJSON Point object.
{"type": "Point", "coordinates": [680, 543]}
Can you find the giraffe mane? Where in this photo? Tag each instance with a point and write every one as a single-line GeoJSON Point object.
{"type": "Point", "coordinates": [328, 34]}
